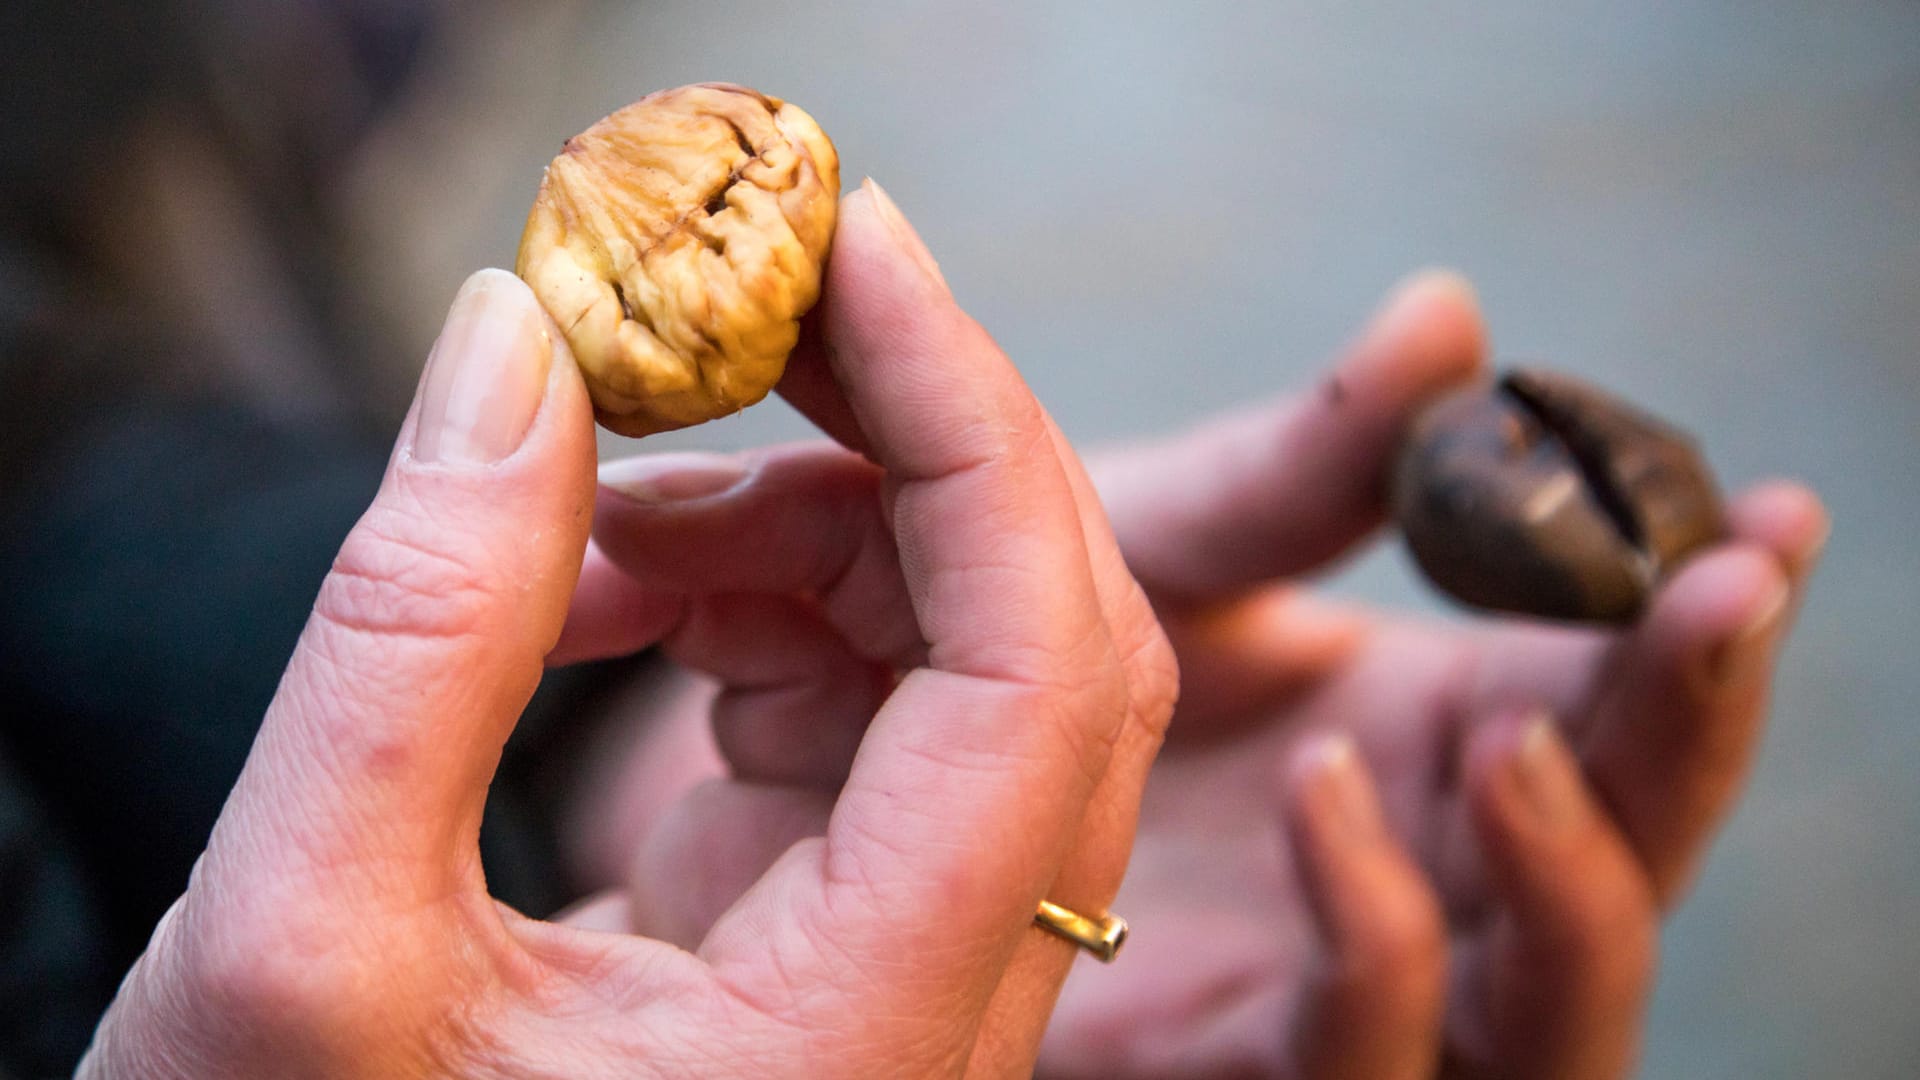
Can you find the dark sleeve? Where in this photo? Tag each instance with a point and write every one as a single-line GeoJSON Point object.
{"type": "Point", "coordinates": [154, 576]}
{"type": "Point", "coordinates": [53, 969]}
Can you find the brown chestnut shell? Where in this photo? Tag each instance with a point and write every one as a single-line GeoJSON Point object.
{"type": "Point", "coordinates": [1541, 494]}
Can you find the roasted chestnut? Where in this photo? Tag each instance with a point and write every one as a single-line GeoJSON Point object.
{"type": "Point", "coordinates": [1540, 494]}
{"type": "Point", "coordinates": [677, 243]}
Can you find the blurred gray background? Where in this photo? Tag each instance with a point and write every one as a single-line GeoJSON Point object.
{"type": "Point", "coordinates": [1161, 210]}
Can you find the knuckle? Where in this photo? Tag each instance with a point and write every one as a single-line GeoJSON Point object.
{"type": "Point", "coordinates": [396, 577]}
{"type": "Point", "coordinates": [406, 614]}
{"type": "Point", "coordinates": [1153, 674]}
{"type": "Point", "coordinates": [1090, 716]}
{"type": "Point", "coordinates": [281, 976]}
{"type": "Point", "coordinates": [260, 976]}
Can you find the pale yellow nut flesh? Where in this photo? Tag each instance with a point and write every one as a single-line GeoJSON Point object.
{"type": "Point", "coordinates": [677, 243]}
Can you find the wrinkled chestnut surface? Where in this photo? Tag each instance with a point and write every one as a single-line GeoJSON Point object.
{"type": "Point", "coordinates": [677, 243]}
{"type": "Point", "coordinates": [1543, 495]}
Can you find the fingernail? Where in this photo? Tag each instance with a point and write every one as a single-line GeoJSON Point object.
{"type": "Point", "coordinates": [657, 479]}
{"type": "Point", "coordinates": [904, 235]}
{"type": "Point", "coordinates": [1546, 772]}
{"type": "Point", "coordinates": [486, 375]}
{"type": "Point", "coordinates": [1743, 657]}
{"type": "Point", "coordinates": [1340, 796]}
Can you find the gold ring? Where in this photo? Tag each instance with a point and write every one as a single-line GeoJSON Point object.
{"type": "Point", "coordinates": [1102, 936]}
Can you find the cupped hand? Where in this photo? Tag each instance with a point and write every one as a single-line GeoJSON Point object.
{"type": "Point", "coordinates": [1382, 846]}
{"type": "Point", "coordinates": [983, 686]}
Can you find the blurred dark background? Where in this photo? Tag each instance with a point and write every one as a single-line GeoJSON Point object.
{"type": "Point", "coordinates": [231, 230]}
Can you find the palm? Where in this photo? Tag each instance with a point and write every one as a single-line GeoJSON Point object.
{"type": "Point", "coordinates": [1223, 933]}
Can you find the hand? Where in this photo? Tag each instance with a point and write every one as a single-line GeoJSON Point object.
{"type": "Point", "coordinates": [338, 923]}
{"type": "Point", "coordinates": [1377, 846]}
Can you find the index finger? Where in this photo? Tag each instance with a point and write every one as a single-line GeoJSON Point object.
{"type": "Point", "coordinates": [1274, 491]}
{"type": "Point", "coordinates": [975, 775]}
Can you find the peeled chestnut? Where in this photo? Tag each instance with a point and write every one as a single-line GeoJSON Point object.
{"type": "Point", "coordinates": [1543, 495]}
{"type": "Point", "coordinates": [677, 243]}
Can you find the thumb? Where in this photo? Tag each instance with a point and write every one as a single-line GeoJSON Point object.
{"type": "Point", "coordinates": [427, 636]}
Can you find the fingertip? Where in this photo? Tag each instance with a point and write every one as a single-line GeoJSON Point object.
{"type": "Point", "coordinates": [861, 194]}
{"type": "Point", "coordinates": [905, 237]}
{"type": "Point", "coordinates": [859, 224]}
{"type": "Point", "coordinates": [552, 449]}
{"type": "Point", "coordinates": [862, 256]}
{"type": "Point", "coordinates": [1524, 785]}
{"type": "Point", "coordinates": [1429, 330]}
{"type": "Point", "coordinates": [1720, 610]}
{"type": "Point", "coordinates": [1424, 341]}
{"type": "Point", "coordinates": [1439, 285]}
{"type": "Point", "coordinates": [875, 245]}
{"type": "Point", "coordinates": [924, 382]}
{"type": "Point", "coordinates": [1373, 1001]}
{"type": "Point", "coordinates": [1495, 741]}
{"type": "Point", "coordinates": [1786, 517]}
{"type": "Point", "coordinates": [502, 282]}
{"type": "Point", "coordinates": [1721, 590]}
{"type": "Point", "coordinates": [1314, 755]}
{"type": "Point", "coordinates": [857, 214]}
{"type": "Point", "coordinates": [1367, 894]}
{"type": "Point", "coordinates": [1330, 795]}
{"type": "Point", "coordinates": [562, 369]}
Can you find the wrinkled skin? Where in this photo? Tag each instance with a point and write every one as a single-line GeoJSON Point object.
{"type": "Point", "coordinates": [677, 243]}
{"type": "Point", "coordinates": [338, 924]}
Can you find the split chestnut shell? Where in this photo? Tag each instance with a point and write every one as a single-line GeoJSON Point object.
{"type": "Point", "coordinates": [1544, 495]}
